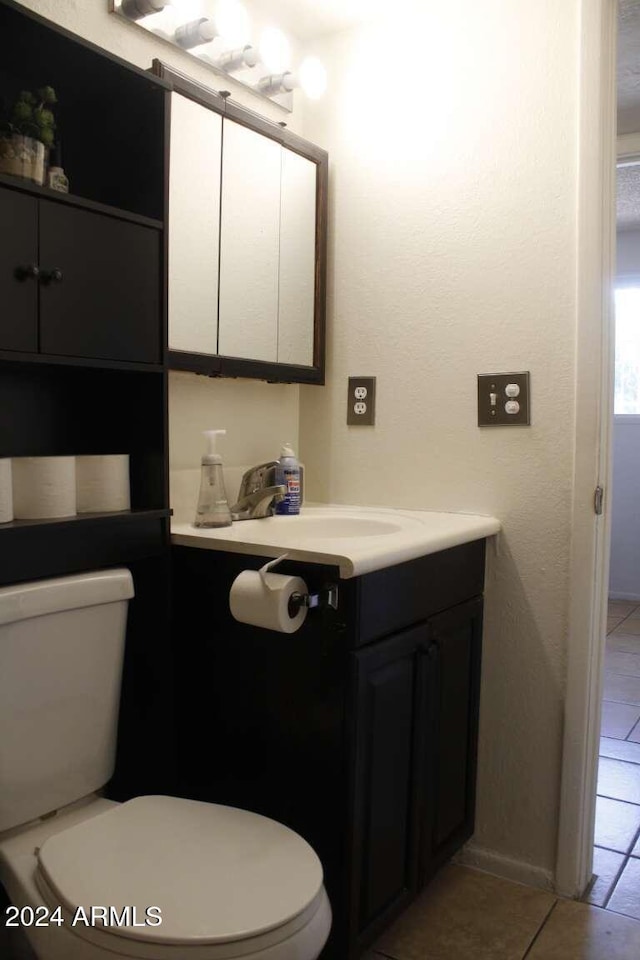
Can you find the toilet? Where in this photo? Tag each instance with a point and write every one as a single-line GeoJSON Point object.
{"type": "Point", "coordinates": [157, 877]}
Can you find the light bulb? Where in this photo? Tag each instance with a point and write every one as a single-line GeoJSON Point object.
{"type": "Point", "coordinates": [275, 51]}
{"type": "Point", "coordinates": [277, 83]}
{"type": "Point", "coordinates": [246, 56]}
{"type": "Point", "coordinates": [195, 33]}
{"type": "Point", "coordinates": [232, 22]}
{"type": "Point", "coordinates": [313, 77]}
{"type": "Point", "coordinates": [137, 9]}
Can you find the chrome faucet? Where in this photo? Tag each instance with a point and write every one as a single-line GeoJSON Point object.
{"type": "Point", "coordinates": [258, 493]}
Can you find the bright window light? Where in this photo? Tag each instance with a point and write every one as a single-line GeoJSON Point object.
{"type": "Point", "coordinates": [627, 362]}
{"type": "Point", "coordinates": [186, 10]}
{"type": "Point", "coordinates": [275, 52]}
{"type": "Point", "coordinates": [313, 77]}
{"type": "Point", "coordinates": [232, 21]}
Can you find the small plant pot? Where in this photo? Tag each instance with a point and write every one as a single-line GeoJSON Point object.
{"type": "Point", "coordinates": [22, 157]}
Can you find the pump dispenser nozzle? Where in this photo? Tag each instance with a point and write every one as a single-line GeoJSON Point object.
{"type": "Point", "coordinates": [212, 455]}
{"type": "Point", "coordinates": [213, 508]}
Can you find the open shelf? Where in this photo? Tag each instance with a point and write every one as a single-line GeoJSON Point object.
{"type": "Point", "coordinates": [123, 516]}
{"type": "Point", "coordinates": [36, 549]}
{"type": "Point", "coordinates": [109, 114]}
{"type": "Point", "coordinates": [94, 362]}
{"type": "Point", "coordinates": [75, 201]}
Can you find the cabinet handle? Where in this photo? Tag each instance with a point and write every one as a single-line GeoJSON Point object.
{"type": "Point", "coordinates": [31, 271]}
{"type": "Point", "coordinates": [51, 276]}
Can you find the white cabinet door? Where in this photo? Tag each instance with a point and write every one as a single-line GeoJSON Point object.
{"type": "Point", "coordinates": [194, 226]}
{"type": "Point", "coordinates": [249, 244]}
{"type": "Point", "coordinates": [296, 306]}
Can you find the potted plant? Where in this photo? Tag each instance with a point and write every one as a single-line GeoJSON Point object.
{"type": "Point", "coordinates": [27, 130]}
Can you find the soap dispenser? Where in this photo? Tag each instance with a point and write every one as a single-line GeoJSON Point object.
{"type": "Point", "coordinates": [213, 508]}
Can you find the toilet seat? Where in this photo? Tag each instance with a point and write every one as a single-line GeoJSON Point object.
{"type": "Point", "coordinates": [229, 883]}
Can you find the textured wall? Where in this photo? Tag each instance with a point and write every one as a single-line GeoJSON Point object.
{"type": "Point", "coordinates": [221, 403]}
{"type": "Point", "coordinates": [453, 237]}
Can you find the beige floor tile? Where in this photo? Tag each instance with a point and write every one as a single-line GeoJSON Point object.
{"type": "Point", "coordinates": [621, 608]}
{"type": "Point", "coordinates": [629, 627]}
{"type": "Point", "coordinates": [626, 893]}
{"type": "Point", "coordinates": [618, 719]}
{"type": "Point", "coordinates": [617, 824]}
{"type": "Point", "coordinates": [626, 642]}
{"type": "Point", "coordinates": [620, 749]}
{"type": "Point", "coordinates": [634, 736]}
{"type": "Point", "coordinates": [613, 622]}
{"type": "Point", "coordinates": [619, 780]}
{"type": "Point", "coordinates": [464, 913]}
{"type": "Point", "coordinates": [621, 689]}
{"type": "Point", "coordinates": [625, 664]}
{"type": "Point", "coordinates": [578, 931]}
{"type": "Point", "coordinates": [606, 867]}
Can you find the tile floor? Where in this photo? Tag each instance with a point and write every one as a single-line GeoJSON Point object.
{"type": "Point", "coordinates": [616, 861]}
{"type": "Point", "coordinates": [468, 915]}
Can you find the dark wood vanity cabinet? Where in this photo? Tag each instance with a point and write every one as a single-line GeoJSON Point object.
{"type": "Point", "coordinates": [416, 703]}
{"type": "Point", "coordinates": [359, 731]}
{"type": "Point", "coordinates": [78, 283]}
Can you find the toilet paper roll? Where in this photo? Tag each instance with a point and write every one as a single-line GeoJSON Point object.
{"type": "Point", "coordinates": [262, 599]}
{"type": "Point", "coordinates": [6, 493]}
{"type": "Point", "coordinates": [102, 483]}
{"type": "Point", "coordinates": [44, 487]}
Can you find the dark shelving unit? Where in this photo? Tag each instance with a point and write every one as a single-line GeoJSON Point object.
{"type": "Point", "coordinates": [83, 347]}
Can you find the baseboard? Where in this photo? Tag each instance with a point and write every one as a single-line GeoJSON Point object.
{"type": "Point", "coordinates": [614, 595]}
{"type": "Point", "coordinates": [501, 866]}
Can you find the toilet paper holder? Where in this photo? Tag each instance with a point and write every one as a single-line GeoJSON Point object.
{"type": "Point", "coordinates": [327, 597]}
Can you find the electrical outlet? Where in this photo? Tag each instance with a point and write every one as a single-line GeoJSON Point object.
{"type": "Point", "coordinates": [361, 401]}
{"type": "Point", "coordinates": [503, 400]}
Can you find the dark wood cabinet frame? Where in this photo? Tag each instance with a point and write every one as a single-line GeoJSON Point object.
{"type": "Point", "coordinates": [216, 365]}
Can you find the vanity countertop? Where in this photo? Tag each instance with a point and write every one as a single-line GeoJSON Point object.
{"type": "Point", "coordinates": [356, 539]}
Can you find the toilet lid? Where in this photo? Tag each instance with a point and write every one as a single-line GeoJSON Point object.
{"type": "Point", "coordinates": [216, 873]}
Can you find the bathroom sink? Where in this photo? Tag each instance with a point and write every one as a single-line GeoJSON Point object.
{"type": "Point", "coordinates": [356, 539]}
{"type": "Point", "coordinates": [331, 527]}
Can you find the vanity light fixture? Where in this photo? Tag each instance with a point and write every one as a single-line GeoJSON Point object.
{"type": "Point", "coordinates": [218, 34]}
{"type": "Point", "coordinates": [137, 9]}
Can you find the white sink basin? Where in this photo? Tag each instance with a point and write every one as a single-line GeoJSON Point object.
{"type": "Point", "coordinates": [356, 539]}
{"type": "Point", "coordinates": [329, 527]}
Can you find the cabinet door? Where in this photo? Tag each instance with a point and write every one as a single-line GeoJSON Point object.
{"type": "Point", "coordinates": [104, 301]}
{"type": "Point", "coordinates": [297, 277]}
{"type": "Point", "coordinates": [383, 840]}
{"type": "Point", "coordinates": [451, 707]}
{"type": "Point", "coordinates": [18, 263]}
{"type": "Point", "coordinates": [194, 217]}
{"type": "Point", "coordinates": [249, 244]}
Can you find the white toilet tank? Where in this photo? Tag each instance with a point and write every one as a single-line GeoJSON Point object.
{"type": "Point", "coordinates": [61, 653]}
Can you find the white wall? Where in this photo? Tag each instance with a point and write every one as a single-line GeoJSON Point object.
{"type": "Point", "coordinates": [195, 403]}
{"type": "Point", "coordinates": [453, 252]}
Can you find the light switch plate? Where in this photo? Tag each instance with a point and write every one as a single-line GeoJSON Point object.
{"type": "Point", "coordinates": [504, 400]}
{"type": "Point", "coordinates": [361, 402]}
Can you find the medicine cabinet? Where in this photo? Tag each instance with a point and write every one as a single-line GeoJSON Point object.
{"type": "Point", "coordinates": [247, 207]}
